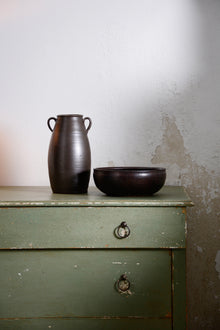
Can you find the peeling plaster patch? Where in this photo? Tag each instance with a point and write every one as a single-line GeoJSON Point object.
{"type": "Point", "coordinates": [172, 148]}
{"type": "Point", "coordinates": [182, 170]}
{"type": "Point", "coordinates": [217, 263]}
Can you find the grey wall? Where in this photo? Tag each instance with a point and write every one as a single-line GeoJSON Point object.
{"type": "Point", "coordinates": [148, 74]}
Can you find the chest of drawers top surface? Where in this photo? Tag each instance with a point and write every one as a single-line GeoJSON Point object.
{"type": "Point", "coordinates": [43, 196]}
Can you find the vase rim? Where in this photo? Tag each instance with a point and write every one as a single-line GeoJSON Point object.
{"type": "Point", "coordinates": [70, 115]}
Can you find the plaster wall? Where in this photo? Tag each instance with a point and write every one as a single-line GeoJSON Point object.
{"type": "Point", "coordinates": [148, 74]}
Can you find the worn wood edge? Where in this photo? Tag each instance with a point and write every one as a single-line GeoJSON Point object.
{"type": "Point", "coordinates": [49, 248]}
{"type": "Point", "coordinates": [93, 204]}
{"type": "Point", "coordinates": [186, 193]}
{"type": "Point", "coordinates": [168, 316]}
{"type": "Point", "coordinates": [94, 198]}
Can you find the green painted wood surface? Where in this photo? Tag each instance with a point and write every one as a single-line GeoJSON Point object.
{"type": "Point", "coordinates": [67, 283]}
{"type": "Point", "coordinates": [92, 227]}
{"type": "Point", "coordinates": [86, 324]}
{"type": "Point", "coordinates": [60, 260]}
{"type": "Point", "coordinates": [179, 289]}
{"type": "Point", "coordinates": [42, 196]}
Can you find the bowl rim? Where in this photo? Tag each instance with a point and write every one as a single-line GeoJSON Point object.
{"type": "Point", "coordinates": [134, 169]}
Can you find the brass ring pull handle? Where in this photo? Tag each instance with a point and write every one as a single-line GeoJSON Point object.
{"type": "Point", "coordinates": [123, 284]}
{"type": "Point", "coordinates": [122, 231]}
{"type": "Point", "coordinates": [48, 123]}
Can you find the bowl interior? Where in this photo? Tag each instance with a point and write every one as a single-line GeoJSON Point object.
{"type": "Point", "coordinates": [131, 169]}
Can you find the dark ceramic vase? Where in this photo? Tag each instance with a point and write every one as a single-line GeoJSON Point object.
{"type": "Point", "coordinates": [69, 156]}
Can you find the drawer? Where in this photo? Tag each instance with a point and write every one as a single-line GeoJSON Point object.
{"type": "Point", "coordinates": [85, 283]}
{"type": "Point", "coordinates": [91, 227]}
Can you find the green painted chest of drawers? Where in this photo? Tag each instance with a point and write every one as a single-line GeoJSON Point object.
{"type": "Point", "coordinates": [91, 261]}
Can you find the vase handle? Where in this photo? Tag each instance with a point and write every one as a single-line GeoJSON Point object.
{"type": "Point", "coordinates": [48, 122]}
{"type": "Point", "coordinates": [90, 123]}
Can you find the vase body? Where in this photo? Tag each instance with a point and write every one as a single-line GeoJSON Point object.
{"type": "Point", "coordinates": [69, 155]}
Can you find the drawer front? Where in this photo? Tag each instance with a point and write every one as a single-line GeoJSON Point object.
{"type": "Point", "coordinates": [85, 283]}
{"type": "Point", "coordinates": [92, 227]}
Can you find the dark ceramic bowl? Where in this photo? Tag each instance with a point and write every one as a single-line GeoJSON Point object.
{"type": "Point", "coordinates": [129, 181]}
